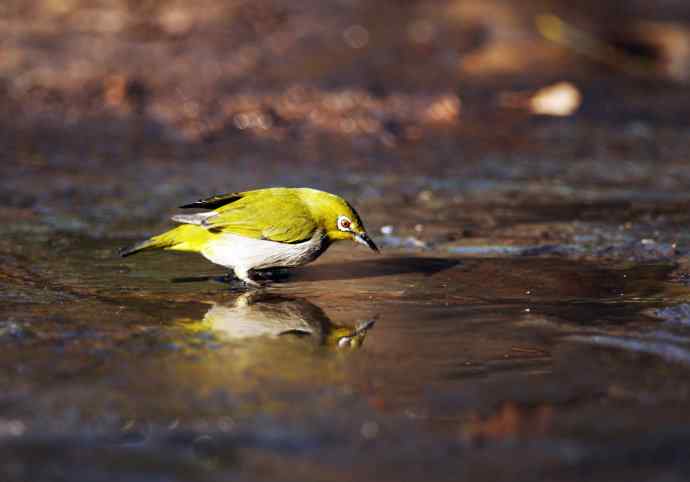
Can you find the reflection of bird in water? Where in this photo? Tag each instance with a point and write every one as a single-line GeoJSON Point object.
{"type": "Point", "coordinates": [254, 315]}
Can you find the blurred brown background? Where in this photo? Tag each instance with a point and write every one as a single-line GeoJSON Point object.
{"type": "Point", "coordinates": [289, 92]}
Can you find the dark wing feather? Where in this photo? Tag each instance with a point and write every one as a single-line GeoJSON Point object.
{"type": "Point", "coordinates": [214, 202]}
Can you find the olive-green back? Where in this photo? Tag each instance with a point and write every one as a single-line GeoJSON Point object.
{"type": "Point", "coordinates": [275, 214]}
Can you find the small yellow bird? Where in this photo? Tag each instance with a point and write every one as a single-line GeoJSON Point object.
{"type": "Point", "coordinates": [260, 229]}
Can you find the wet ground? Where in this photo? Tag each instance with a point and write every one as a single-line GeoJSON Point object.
{"type": "Point", "coordinates": [528, 318]}
{"type": "Point", "coordinates": [483, 361]}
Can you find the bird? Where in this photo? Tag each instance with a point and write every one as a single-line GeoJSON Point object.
{"type": "Point", "coordinates": [276, 227]}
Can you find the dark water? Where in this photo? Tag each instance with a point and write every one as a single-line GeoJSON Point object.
{"type": "Point", "coordinates": [515, 366]}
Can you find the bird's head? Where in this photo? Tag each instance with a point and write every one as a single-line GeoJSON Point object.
{"type": "Point", "coordinates": [338, 218]}
{"type": "Point", "coordinates": [348, 338]}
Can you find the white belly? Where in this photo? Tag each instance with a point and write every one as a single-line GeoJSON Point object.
{"type": "Point", "coordinates": [243, 320]}
{"type": "Point", "coordinates": [234, 251]}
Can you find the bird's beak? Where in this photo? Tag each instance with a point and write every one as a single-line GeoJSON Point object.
{"type": "Point", "coordinates": [364, 326]}
{"type": "Point", "coordinates": [366, 241]}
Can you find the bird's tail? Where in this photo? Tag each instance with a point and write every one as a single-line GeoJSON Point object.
{"type": "Point", "coordinates": [187, 237]}
{"type": "Point", "coordinates": [135, 248]}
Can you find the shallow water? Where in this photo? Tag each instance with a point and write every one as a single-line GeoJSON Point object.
{"type": "Point", "coordinates": [147, 368]}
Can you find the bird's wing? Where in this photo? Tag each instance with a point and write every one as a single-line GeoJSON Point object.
{"type": "Point", "coordinates": [274, 215]}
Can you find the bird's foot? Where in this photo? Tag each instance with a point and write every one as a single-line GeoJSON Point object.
{"type": "Point", "coordinates": [235, 283]}
{"type": "Point", "coordinates": [252, 284]}
{"type": "Point", "coordinates": [248, 280]}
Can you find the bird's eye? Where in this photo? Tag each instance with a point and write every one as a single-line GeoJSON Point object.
{"type": "Point", "coordinates": [344, 223]}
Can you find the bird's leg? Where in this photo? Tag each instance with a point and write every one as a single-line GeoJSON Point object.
{"type": "Point", "coordinates": [235, 282]}
{"type": "Point", "coordinates": [232, 281]}
{"type": "Point", "coordinates": [243, 274]}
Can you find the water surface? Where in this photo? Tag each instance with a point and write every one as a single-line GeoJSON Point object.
{"type": "Point", "coordinates": [147, 367]}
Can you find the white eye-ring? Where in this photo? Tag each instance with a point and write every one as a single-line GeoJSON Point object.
{"type": "Point", "coordinates": [344, 223]}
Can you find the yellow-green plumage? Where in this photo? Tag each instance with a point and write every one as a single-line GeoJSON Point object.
{"type": "Point", "coordinates": [278, 214]}
{"type": "Point", "coordinates": [276, 217]}
{"type": "Point", "coordinates": [186, 237]}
